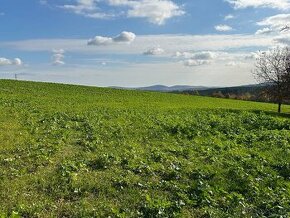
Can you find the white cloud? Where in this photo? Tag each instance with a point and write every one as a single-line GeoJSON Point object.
{"type": "Point", "coordinates": [87, 8]}
{"type": "Point", "coordinates": [229, 17]}
{"type": "Point", "coordinates": [82, 7]}
{"type": "Point", "coordinates": [223, 28]}
{"type": "Point", "coordinates": [276, 22]}
{"type": "Point", "coordinates": [155, 11]}
{"type": "Point", "coordinates": [215, 57]}
{"type": "Point", "coordinates": [194, 63]}
{"type": "Point", "coordinates": [278, 4]}
{"type": "Point", "coordinates": [154, 51]}
{"type": "Point", "coordinates": [58, 56]}
{"type": "Point", "coordinates": [204, 55]}
{"type": "Point", "coordinates": [278, 25]}
{"type": "Point", "coordinates": [185, 54]}
{"type": "Point", "coordinates": [265, 30]}
{"type": "Point", "coordinates": [201, 55]}
{"type": "Point", "coordinates": [197, 58]}
{"type": "Point", "coordinates": [17, 61]}
{"type": "Point", "coordinates": [252, 56]}
{"type": "Point", "coordinates": [283, 39]}
{"type": "Point", "coordinates": [124, 37]}
{"type": "Point", "coordinates": [100, 40]}
{"type": "Point", "coordinates": [7, 62]}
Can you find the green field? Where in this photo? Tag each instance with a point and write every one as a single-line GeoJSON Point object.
{"type": "Point", "coordinates": [75, 151]}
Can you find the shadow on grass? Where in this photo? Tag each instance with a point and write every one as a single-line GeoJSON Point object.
{"type": "Point", "coordinates": [272, 113]}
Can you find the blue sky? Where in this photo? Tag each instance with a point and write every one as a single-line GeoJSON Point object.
{"type": "Point", "coordinates": [139, 42]}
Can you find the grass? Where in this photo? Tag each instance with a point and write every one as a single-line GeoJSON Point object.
{"type": "Point", "coordinates": [75, 151]}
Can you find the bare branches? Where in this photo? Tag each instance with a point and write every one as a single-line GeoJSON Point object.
{"type": "Point", "coordinates": [273, 70]}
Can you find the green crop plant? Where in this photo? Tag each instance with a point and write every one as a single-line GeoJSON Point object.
{"type": "Point", "coordinates": [76, 151]}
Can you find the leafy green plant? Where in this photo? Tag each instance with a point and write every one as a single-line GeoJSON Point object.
{"type": "Point", "coordinates": [73, 151]}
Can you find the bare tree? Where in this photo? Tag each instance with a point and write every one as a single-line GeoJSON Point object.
{"type": "Point", "coordinates": [273, 70]}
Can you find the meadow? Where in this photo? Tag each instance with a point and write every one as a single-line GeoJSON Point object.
{"type": "Point", "coordinates": [76, 151]}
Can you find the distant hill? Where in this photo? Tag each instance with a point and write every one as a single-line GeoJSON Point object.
{"type": "Point", "coordinates": [162, 88]}
{"type": "Point", "coordinates": [248, 92]}
{"type": "Point", "coordinates": [237, 90]}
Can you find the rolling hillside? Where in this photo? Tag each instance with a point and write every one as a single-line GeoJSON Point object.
{"type": "Point", "coordinates": [76, 151]}
{"type": "Point", "coordinates": [162, 88]}
{"type": "Point", "coordinates": [237, 90]}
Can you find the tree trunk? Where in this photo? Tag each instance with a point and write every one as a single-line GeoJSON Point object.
{"type": "Point", "coordinates": [279, 107]}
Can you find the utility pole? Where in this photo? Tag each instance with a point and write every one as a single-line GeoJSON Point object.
{"type": "Point", "coordinates": [15, 75]}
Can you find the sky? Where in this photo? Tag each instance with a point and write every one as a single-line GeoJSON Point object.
{"type": "Point", "coordinates": [135, 43]}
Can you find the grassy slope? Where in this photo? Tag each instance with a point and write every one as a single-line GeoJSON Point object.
{"type": "Point", "coordinates": [80, 152]}
{"type": "Point", "coordinates": [59, 97]}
